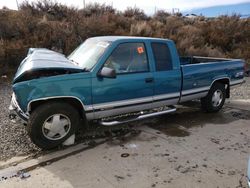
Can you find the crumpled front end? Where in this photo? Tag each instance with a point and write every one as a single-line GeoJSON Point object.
{"type": "Point", "coordinates": [41, 63]}
{"type": "Point", "coordinates": [15, 110]}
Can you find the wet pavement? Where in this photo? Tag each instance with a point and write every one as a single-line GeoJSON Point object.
{"type": "Point", "coordinates": [189, 148]}
{"type": "Point", "coordinates": [191, 116]}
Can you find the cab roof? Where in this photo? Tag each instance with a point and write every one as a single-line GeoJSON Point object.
{"type": "Point", "coordinates": [116, 38]}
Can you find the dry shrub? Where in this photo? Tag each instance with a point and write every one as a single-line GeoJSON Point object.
{"type": "Point", "coordinates": [157, 28]}
{"type": "Point", "coordinates": [172, 26]}
{"type": "Point", "coordinates": [135, 13]}
{"type": "Point", "coordinates": [141, 29]}
{"type": "Point", "coordinates": [161, 16]}
{"type": "Point", "coordinates": [55, 10]}
{"type": "Point", "coordinates": [204, 51]}
{"type": "Point", "coordinates": [53, 25]}
{"type": "Point", "coordinates": [96, 9]}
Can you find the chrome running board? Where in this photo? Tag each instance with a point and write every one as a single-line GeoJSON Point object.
{"type": "Point", "coordinates": [140, 117]}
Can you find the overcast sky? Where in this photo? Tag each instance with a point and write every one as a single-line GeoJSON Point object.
{"type": "Point", "coordinates": [147, 5]}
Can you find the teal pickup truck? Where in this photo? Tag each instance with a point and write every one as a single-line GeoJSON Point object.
{"type": "Point", "coordinates": [112, 76]}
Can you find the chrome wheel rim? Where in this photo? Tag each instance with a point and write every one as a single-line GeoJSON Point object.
{"type": "Point", "coordinates": [56, 127]}
{"type": "Point", "coordinates": [217, 98]}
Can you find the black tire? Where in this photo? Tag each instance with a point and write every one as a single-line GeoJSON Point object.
{"type": "Point", "coordinates": [207, 103]}
{"type": "Point", "coordinates": [36, 124]}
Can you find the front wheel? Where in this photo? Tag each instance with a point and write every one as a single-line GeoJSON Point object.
{"type": "Point", "coordinates": [215, 98]}
{"type": "Point", "coordinates": [52, 123]}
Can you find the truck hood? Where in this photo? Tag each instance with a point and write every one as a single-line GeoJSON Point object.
{"type": "Point", "coordinates": [42, 62]}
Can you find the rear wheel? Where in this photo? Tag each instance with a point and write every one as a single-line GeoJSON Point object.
{"type": "Point", "coordinates": [215, 98]}
{"type": "Point", "coordinates": [52, 123]}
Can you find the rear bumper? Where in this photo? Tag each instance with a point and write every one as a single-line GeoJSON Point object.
{"type": "Point", "coordinates": [14, 109]}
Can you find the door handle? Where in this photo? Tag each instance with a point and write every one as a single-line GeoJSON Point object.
{"type": "Point", "coordinates": [148, 80]}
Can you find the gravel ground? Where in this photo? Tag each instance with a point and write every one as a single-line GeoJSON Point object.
{"type": "Point", "coordinates": [242, 92]}
{"type": "Point", "coordinates": [14, 140]}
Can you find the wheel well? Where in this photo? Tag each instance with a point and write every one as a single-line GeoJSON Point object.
{"type": "Point", "coordinates": [71, 101]}
{"type": "Point", "coordinates": [225, 81]}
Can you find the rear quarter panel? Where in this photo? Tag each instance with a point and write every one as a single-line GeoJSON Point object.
{"type": "Point", "coordinates": [202, 75]}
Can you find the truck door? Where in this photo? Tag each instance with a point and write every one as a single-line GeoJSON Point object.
{"type": "Point", "coordinates": [167, 74]}
{"type": "Point", "coordinates": [131, 90]}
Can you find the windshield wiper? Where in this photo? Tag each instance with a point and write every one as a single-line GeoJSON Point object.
{"type": "Point", "coordinates": [84, 69]}
{"type": "Point", "coordinates": [74, 62]}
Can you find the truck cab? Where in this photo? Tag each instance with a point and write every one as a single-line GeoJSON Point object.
{"type": "Point", "coordinates": [147, 74]}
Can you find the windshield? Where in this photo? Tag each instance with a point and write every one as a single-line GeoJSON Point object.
{"type": "Point", "coordinates": [88, 53]}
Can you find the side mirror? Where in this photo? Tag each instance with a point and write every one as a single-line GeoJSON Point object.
{"type": "Point", "coordinates": [107, 73]}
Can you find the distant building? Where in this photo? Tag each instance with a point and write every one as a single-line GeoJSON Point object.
{"type": "Point", "coordinates": [245, 16]}
{"type": "Point", "coordinates": [191, 16]}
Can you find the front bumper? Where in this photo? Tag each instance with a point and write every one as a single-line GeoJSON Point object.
{"type": "Point", "coordinates": [15, 109]}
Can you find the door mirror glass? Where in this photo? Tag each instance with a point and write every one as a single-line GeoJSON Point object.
{"type": "Point", "coordinates": [107, 73]}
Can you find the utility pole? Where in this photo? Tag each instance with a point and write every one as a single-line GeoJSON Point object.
{"type": "Point", "coordinates": [84, 4]}
{"type": "Point", "coordinates": [17, 5]}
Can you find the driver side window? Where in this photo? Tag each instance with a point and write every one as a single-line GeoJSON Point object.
{"type": "Point", "coordinates": [128, 58]}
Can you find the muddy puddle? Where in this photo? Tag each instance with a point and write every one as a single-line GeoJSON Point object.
{"type": "Point", "coordinates": [179, 124]}
{"type": "Point", "coordinates": [171, 130]}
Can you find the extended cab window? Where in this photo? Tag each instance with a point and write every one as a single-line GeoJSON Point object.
{"type": "Point", "coordinates": [162, 56]}
{"type": "Point", "coordinates": [128, 58]}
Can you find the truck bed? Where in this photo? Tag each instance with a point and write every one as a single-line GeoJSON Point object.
{"type": "Point", "coordinates": [199, 73]}
{"type": "Point", "coordinates": [198, 59]}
